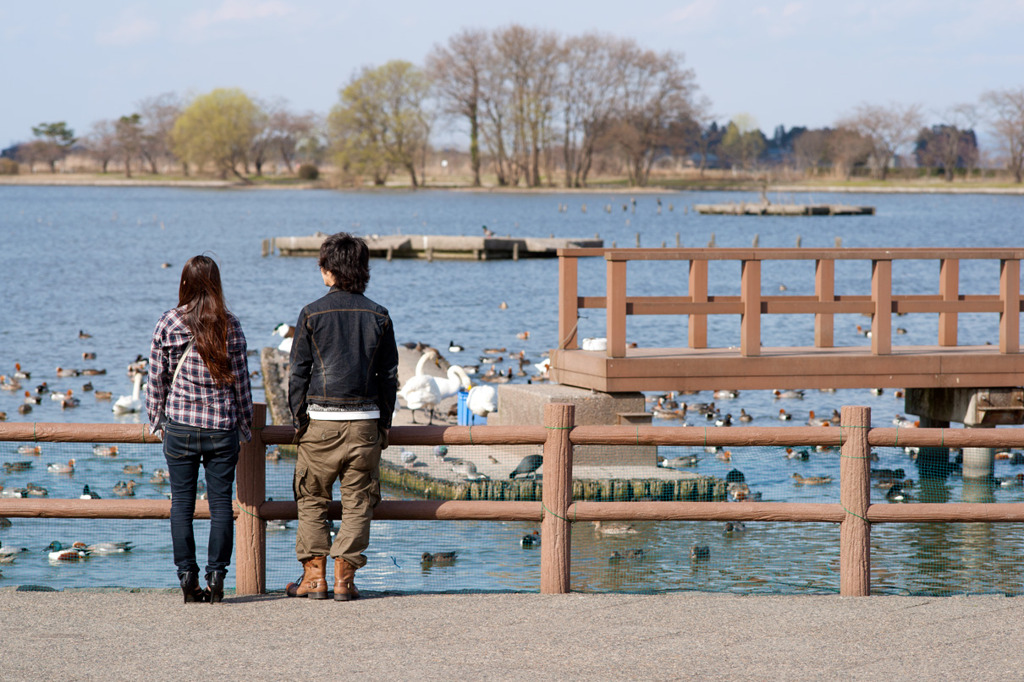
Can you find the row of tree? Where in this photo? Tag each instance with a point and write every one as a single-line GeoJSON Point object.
{"type": "Point", "coordinates": [538, 109]}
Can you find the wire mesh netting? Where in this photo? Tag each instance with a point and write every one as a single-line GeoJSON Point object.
{"type": "Point", "coordinates": [632, 556]}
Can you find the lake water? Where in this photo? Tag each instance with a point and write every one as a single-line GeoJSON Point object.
{"type": "Point", "coordinates": [80, 258]}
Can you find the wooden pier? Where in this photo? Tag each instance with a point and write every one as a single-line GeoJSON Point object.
{"type": "Point", "coordinates": [765, 208]}
{"type": "Point", "coordinates": [877, 364]}
{"type": "Point", "coordinates": [443, 247]}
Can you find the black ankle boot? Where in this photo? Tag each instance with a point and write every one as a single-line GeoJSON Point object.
{"type": "Point", "coordinates": [215, 586]}
{"type": "Point", "coordinates": [190, 587]}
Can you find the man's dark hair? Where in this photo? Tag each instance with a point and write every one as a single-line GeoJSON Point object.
{"type": "Point", "coordinates": [348, 259]}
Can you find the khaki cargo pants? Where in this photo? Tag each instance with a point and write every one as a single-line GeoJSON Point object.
{"type": "Point", "coordinates": [348, 451]}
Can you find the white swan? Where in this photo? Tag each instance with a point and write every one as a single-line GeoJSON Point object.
{"type": "Point", "coordinates": [131, 403]}
{"type": "Point", "coordinates": [421, 390]}
{"type": "Point", "coordinates": [456, 380]}
{"type": "Point", "coordinates": [482, 400]}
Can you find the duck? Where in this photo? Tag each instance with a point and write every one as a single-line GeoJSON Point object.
{"type": "Point", "coordinates": [88, 355]}
{"type": "Point", "coordinates": [676, 462]}
{"type": "Point", "coordinates": [700, 553]}
{"type": "Point", "coordinates": [455, 347]}
{"type": "Point", "coordinates": [287, 333]}
{"type": "Point", "coordinates": [724, 421]}
{"type": "Point", "coordinates": [7, 554]}
{"type": "Point", "coordinates": [88, 494]}
{"type": "Point", "coordinates": [93, 372]}
{"type": "Point", "coordinates": [57, 552]}
{"type": "Point", "coordinates": [14, 467]}
{"type": "Point", "coordinates": [530, 539]}
{"type": "Point", "coordinates": [103, 395]}
{"type": "Point", "coordinates": [87, 386]}
{"type": "Point", "coordinates": [106, 547]}
{"type": "Point", "coordinates": [482, 400]}
{"type": "Point", "coordinates": [724, 455]}
{"type": "Point", "coordinates": [744, 417]}
{"type": "Point", "coordinates": [159, 477]}
{"type": "Point", "coordinates": [57, 468]}
{"type": "Point", "coordinates": [614, 529]}
{"type": "Point", "coordinates": [64, 372]}
{"type": "Point", "coordinates": [494, 377]}
{"type": "Point", "coordinates": [866, 333]}
{"type": "Point", "coordinates": [1011, 481]}
{"type": "Point", "coordinates": [812, 420]}
{"type": "Point", "coordinates": [19, 374]}
{"type": "Point", "coordinates": [785, 416]}
{"type": "Point", "coordinates": [123, 489]}
{"type": "Point", "coordinates": [277, 525]}
{"type": "Point", "coordinates": [421, 390]}
{"type": "Point", "coordinates": [802, 455]}
{"type": "Point", "coordinates": [128, 404]}
{"type": "Point", "coordinates": [738, 491]}
{"type": "Point", "coordinates": [788, 395]}
{"type": "Point", "coordinates": [30, 449]}
{"type": "Point", "coordinates": [495, 351]}
{"type": "Point", "coordinates": [732, 527]}
{"type": "Point", "coordinates": [132, 469]}
{"type": "Point", "coordinates": [101, 450]}
{"type": "Point", "coordinates": [140, 365]}
{"type": "Point", "coordinates": [618, 557]}
{"type": "Point", "coordinates": [896, 493]}
{"type": "Point", "coordinates": [438, 558]}
{"type": "Point", "coordinates": [529, 465]}
{"type": "Point", "coordinates": [902, 422]}
{"type": "Point", "coordinates": [811, 480]}
{"type": "Point", "coordinates": [68, 400]}
{"type": "Point", "coordinates": [83, 335]}
{"type": "Point", "coordinates": [726, 395]}
{"type": "Point", "coordinates": [8, 384]}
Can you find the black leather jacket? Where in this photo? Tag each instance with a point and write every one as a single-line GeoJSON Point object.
{"type": "Point", "coordinates": [343, 356]}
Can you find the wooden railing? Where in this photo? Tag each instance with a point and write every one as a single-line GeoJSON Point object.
{"type": "Point", "coordinates": [556, 511]}
{"type": "Point", "coordinates": [751, 304]}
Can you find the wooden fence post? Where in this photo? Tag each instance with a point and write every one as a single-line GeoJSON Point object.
{"type": "Point", "coordinates": [855, 497]}
{"type": "Point", "coordinates": [250, 529]}
{"type": "Point", "coordinates": [556, 496]}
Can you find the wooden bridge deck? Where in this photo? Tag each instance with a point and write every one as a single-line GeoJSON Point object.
{"type": "Point", "coordinates": [701, 369]}
{"type": "Point", "coordinates": [696, 366]}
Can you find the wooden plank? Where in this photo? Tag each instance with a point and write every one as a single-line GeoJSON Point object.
{"type": "Point", "coordinates": [556, 529]}
{"type": "Point", "coordinates": [250, 529]}
{"type": "Point", "coordinates": [422, 510]}
{"type": "Point", "coordinates": [616, 315]}
{"type": "Point", "coordinates": [698, 290]}
{"type": "Point", "coordinates": [881, 294]}
{"type": "Point", "coordinates": [707, 511]}
{"type": "Point", "coordinates": [1009, 317]}
{"type": "Point", "coordinates": [825, 292]}
{"type": "Point", "coordinates": [750, 320]}
{"type": "Point", "coordinates": [949, 290]}
{"type": "Point", "coordinates": [568, 312]}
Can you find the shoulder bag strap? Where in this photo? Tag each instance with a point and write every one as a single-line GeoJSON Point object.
{"type": "Point", "coordinates": [177, 369]}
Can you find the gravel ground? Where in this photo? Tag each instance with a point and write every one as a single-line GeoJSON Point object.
{"type": "Point", "coordinates": [149, 634]}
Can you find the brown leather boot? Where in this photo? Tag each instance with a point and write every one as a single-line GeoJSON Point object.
{"type": "Point", "coordinates": [313, 584]}
{"type": "Point", "coordinates": [344, 580]}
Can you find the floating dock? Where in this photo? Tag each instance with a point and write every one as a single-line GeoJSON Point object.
{"type": "Point", "coordinates": [434, 246]}
{"type": "Point", "coordinates": [762, 208]}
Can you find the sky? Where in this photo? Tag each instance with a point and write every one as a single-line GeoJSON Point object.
{"type": "Point", "coordinates": [780, 62]}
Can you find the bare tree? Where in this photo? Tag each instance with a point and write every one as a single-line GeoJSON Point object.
{"type": "Point", "coordinates": [810, 150]}
{"type": "Point", "coordinates": [158, 116]}
{"type": "Point", "coordinates": [1006, 115]}
{"type": "Point", "coordinates": [588, 87]}
{"type": "Point", "coordinates": [456, 71]}
{"type": "Point", "coordinates": [128, 140]}
{"type": "Point", "coordinates": [888, 129]}
{"type": "Point", "coordinates": [102, 142]}
{"type": "Point", "coordinates": [288, 131]}
{"type": "Point", "coordinates": [847, 149]}
{"type": "Point", "coordinates": [655, 90]}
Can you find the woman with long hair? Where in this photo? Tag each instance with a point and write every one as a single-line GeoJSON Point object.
{"type": "Point", "coordinates": [200, 398]}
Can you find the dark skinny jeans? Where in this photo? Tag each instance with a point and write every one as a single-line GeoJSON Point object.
{"type": "Point", "coordinates": [184, 448]}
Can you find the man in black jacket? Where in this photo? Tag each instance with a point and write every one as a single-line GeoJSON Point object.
{"type": "Point", "coordinates": [341, 390]}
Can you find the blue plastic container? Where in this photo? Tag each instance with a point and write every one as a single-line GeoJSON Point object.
{"type": "Point", "coordinates": [465, 415]}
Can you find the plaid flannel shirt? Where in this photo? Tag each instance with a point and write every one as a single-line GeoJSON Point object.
{"type": "Point", "coordinates": [195, 399]}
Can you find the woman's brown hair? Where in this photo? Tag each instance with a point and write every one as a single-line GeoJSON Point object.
{"type": "Point", "coordinates": [206, 315]}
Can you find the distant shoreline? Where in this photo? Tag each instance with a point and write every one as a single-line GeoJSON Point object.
{"type": "Point", "coordinates": [856, 187]}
